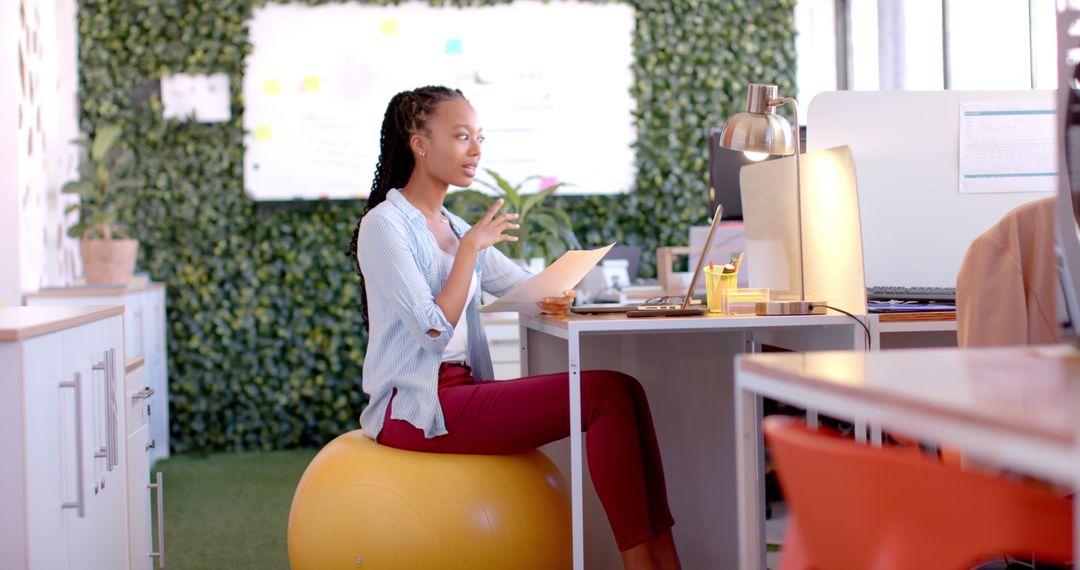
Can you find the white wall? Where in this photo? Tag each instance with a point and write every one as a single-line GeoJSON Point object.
{"type": "Point", "coordinates": [36, 157]}
{"type": "Point", "coordinates": [9, 210]}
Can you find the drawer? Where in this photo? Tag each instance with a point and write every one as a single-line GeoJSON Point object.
{"type": "Point", "coordinates": [505, 352]}
{"type": "Point", "coordinates": [137, 396]}
{"type": "Point", "coordinates": [507, 370]}
{"type": "Point", "coordinates": [501, 332]}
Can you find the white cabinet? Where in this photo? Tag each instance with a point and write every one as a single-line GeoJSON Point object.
{"type": "Point", "coordinates": [63, 483]}
{"type": "Point", "coordinates": [502, 334]}
{"type": "Point", "coordinates": [144, 325]}
{"type": "Point", "coordinates": [142, 550]}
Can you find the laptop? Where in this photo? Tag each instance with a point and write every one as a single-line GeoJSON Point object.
{"type": "Point", "coordinates": [667, 304]}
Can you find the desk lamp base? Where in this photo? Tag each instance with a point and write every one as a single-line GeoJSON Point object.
{"type": "Point", "coordinates": [782, 308]}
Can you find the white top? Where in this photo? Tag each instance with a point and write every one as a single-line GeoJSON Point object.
{"type": "Point", "coordinates": [458, 347]}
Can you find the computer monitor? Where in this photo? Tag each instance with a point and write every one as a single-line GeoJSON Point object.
{"type": "Point", "coordinates": [1068, 200]}
{"type": "Point", "coordinates": [724, 166]}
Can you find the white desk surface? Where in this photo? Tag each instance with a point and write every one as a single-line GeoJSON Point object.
{"type": "Point", "coordinates": [561, 326]}
{"type": "Point", "coordinates": [1016, 407]}
{"type": "Point", "coordinates": [1031, 390]}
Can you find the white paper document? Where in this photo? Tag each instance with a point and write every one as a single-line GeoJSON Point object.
{"type": "Point", "coordinates": [1007, 147]}
{"type": "Point", "coordinates": [563, 274]}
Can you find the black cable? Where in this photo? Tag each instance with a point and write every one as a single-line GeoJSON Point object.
{"type": "Point", "coordinates": [856, 319]}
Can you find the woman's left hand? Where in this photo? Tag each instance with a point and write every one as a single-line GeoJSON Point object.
{"type": "Point", "coordinates": [557, 305]}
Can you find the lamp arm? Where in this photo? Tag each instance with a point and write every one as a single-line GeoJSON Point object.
{"type": "Point", "coordinates": [798, 186]}
{"type": "Point", "coordinates": [795, 112]}
{"type": "Point", "coordinates": [701, 259]}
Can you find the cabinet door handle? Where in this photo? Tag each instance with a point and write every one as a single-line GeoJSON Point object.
{"type": "Point", "coordinates": [110, 452]}
{"type": "Point", "coordinates": [114, 411]}
{"type": "Point", "coordinates": [143, 394]}
{"type": "Point", "coordinates": [80, 501]}
{"type": "Point", "coordinates": [105, 451]}
{"type": "Point", "coordinates": [160, 486]}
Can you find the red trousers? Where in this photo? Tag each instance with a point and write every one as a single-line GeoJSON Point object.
{"type": "Point", "coordinates": [515, 416]}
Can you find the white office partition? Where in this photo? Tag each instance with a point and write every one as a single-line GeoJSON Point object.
{"type": "Point", "coordinates": [916, 223]}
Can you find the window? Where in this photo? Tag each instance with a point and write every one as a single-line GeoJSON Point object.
{"type": "Point", "coordinates": [924, 44]}
{"type": "Point", "coordinates": [816, 49]}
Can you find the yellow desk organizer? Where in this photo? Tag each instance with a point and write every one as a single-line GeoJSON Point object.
{"type": "Point", "coordinates": [715, 282]}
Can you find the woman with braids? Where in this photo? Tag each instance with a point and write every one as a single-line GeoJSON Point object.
{"type": "Point", "coordinates": [427, 370]}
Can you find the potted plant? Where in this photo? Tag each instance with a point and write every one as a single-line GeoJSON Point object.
{"type": "Point", "coordinates": [108, 254]}
{"type": "Point", "coordinates": [546, 229]}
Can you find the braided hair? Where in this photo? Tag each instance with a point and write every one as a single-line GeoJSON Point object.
{"type": "Point", "coordinates": [406, 115]}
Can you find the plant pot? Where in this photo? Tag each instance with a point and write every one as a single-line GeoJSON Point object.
{"type": "Point", "coordinates": [108, 261]}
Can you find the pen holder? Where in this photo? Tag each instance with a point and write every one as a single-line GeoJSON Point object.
{"type": "Point", "coordinates": [715, 280]}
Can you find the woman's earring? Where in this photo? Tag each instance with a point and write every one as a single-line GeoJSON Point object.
{"type": "Point", "coordinates": [423, 154]}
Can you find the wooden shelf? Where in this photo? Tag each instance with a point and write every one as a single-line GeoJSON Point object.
{"type": "Point", "coordinates": [916, 317]}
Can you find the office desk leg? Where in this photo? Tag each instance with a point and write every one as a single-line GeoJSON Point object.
{"type": "Point", "coordinates": [577, 501]}
{"type": "Point", "coordinates": [1076, 512]}
{"type": "Point", "coordinates": [750, 467]}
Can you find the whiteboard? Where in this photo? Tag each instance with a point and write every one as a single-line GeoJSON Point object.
{"type": "Point", "coordinates": [550, 81]}
{"type": "Point", "coordinates": [916, 225]}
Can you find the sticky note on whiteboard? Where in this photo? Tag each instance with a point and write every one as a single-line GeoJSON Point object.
{"type": "Point", "coordinates": [389, 27]}
{"type": "Point", "coordinates": [453, 46]}
{"type": "Point", "coordinates": [271, 87]}
{"type": "Point", "coordinates": [263, 133]}
{"type": "Point", "coordinates": [310, 84]}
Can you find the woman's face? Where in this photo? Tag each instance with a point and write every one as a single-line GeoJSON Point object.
{"type": "Point", "coordinates": [450, 151]}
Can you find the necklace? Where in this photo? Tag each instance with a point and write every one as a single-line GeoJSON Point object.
{"type": "Point", "coordinates": [442, 216]}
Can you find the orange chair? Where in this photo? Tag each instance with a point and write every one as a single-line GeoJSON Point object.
{"type": "Point", "coordinates": [859, 508]}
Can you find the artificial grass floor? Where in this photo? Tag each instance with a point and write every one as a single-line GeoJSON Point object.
{"type": "Point", "coordinates": [229, 510]}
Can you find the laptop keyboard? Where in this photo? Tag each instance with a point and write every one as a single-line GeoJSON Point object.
{"type": "Point", "coordinates": [940, 294]}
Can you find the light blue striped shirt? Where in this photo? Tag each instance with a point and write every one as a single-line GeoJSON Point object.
{"type": "Point", "coordinates": [403, 273]}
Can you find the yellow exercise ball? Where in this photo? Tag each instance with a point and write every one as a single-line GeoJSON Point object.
{"type": "Point", "coordinates": [365, 506]}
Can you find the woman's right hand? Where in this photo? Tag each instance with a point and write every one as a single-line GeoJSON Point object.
{"type": "Point", "coordinates": [489, 230]}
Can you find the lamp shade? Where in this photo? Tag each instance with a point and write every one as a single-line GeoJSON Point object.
{"type": "Point", "coordinates": [758, 132]}
{"type": "Point", "coordinates": [759, 128]}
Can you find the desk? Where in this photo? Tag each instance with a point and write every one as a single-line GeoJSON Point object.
{"type": "Point", "coordinates": [686, 367]}
{"type": "Point", "coordinates": [1015, 407]}
{"type": "Point", "coordinates": [912, 330]}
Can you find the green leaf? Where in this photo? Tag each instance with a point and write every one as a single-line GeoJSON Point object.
{"type": "Point", "coordinates": [509, 193]}
{"type": "Point", "coordinates": [120, 162]}
{"type": "Point", "coordinates": [469, 204]}
{"type": "Point", "coordinates": [103, 140]}
{"type": "Point", "coordinates": [76, 231]}
{"type": "Point", "coordinates": [71, 208]}
{"type": "Point", "coordinates": [532, 199]}
{"type": "Point", "coordinates": [563, 216]}
{"type": "Point", "coordinates": [84, 189]}
{"type": "Point", "coordinates": [548, 222]}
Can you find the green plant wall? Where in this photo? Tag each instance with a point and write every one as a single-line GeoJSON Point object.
{"type": "Point", "coordinates": [265, 343]}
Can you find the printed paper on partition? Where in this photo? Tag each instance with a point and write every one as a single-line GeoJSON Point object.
{"type": "Point", "coordinates": [1007, 147]}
